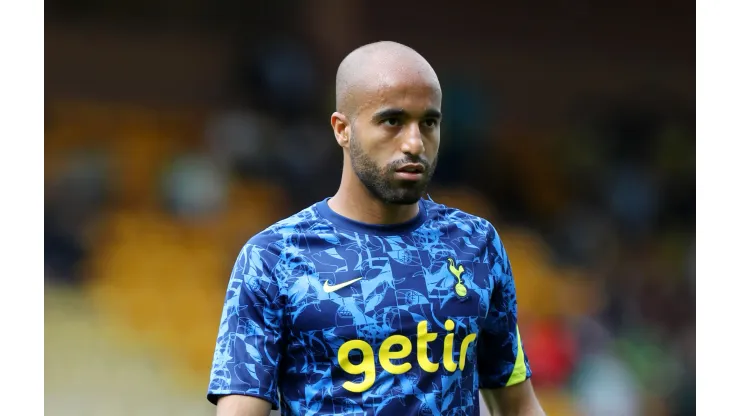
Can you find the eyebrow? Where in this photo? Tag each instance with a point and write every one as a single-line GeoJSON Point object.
{"type": "Point", "coordinates": [400, 112]}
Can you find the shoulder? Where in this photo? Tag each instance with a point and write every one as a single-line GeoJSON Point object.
{"type": "Point", "coordinates": [260, 256]}
{"type": "Point", "coordinates": [476, 227]}
{"type": "Point", "coordinates": [443, 215]}
{"type": "Point", "coordinates": [286, 232]}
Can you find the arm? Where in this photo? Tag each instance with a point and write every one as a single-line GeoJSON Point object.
{"type": "Point", "coordinates": [237, 405]}
{"type": "Point", "coordinates": [244, 375]}
{"type": "Point", "coordinates": [503, 366]}
{"type": "Point", "coordinates": [518, 400]}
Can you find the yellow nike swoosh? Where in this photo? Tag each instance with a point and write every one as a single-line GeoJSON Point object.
{"type": "Point", "coordinates": [329, 289]}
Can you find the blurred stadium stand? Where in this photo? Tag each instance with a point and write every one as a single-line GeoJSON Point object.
{"type": "Point", "coordinates": [175, 131]}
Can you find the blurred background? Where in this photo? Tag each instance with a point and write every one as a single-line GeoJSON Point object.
{"type": "Point", "coordinates": [174, 131]}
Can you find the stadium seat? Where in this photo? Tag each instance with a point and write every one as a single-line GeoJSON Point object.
{"type": "Point", "coordinates": [164, 281]}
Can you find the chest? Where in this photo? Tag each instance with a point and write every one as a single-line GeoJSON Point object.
{"type": "Point", "coordinates": [377, 287]}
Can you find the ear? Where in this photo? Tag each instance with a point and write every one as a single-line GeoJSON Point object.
{"type": "Point", "coordinates": [342, 129]}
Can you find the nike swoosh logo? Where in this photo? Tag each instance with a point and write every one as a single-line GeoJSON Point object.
{"type": "Point", "coordinates": [329, 289]}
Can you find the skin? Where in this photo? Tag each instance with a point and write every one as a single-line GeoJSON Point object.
{"type": "Point", "coordinates": [388, 114]}
{"type": "Point", "coordinates": [235, 405]}
{"type": "Point", "coordinates": [516, 400]}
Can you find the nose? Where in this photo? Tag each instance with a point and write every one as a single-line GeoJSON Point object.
{"type": "Point", "coordinates": [412, 144]}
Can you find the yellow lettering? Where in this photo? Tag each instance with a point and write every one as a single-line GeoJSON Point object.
{"type": "Point", "coordinates": [385, 354]}
{"type": "Point", "coordinates": [367, 366]}
{"type": "Point", "coordinates": [423, 338]}
{"type": "Point", "coordinates": [449, 363]}
{"type": "Point", "coordinates": [464, 349]}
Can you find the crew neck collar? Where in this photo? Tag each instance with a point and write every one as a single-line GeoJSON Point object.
{"type": "Point", "coordinates": [367, 228]}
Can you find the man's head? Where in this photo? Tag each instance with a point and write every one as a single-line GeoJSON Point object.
{"type": "Point", "coordinates": [387, 120]}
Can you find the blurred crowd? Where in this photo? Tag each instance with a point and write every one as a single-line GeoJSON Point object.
{"type": "Point", "coordinates": [598, 210]}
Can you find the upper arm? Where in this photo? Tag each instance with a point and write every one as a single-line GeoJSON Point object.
{"type": "Point", "coordinates": [518, 399]}
{"type": "Point", "coordinates": [248, 347]}
{"type": "Point", "coordinates": [501, 358]}
{"type": "Point", "coordinates": [238, 405]}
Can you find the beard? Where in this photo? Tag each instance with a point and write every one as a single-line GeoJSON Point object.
{"type": "Point", "coordinates": [381, 182]}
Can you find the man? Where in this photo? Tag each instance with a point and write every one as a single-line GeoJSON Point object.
{"type": "Point", "coordinates": [375, 301]}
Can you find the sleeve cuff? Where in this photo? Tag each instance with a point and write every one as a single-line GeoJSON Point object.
{"type": "Point", "coordinates": [214, 395]}
{"type": "Point", "coordinates": [500, 383]}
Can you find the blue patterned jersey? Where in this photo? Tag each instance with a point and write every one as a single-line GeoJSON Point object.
{"type": "Point", "coordinates": [329, 316]}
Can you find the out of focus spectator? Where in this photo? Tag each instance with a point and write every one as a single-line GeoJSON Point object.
{"type": "Point", "coordinates": [239, 141]}
{"type": "Point", "coordinates": [301, 161]}
{"type": "Point", "coordinates": [605, 386]}
{"type": "Point", "coordinates": [74, 200]}
{"type": "Point", "coordinates": [280, 76]}
{"type": "Point", "coordinates": [194, 187]}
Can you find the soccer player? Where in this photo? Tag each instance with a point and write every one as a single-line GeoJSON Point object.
{"type": "Point", "coordinates": [375, 301]}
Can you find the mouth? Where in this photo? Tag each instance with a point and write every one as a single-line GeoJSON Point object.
{"type": "Point", "coordinates": [411, 168]}
{"type": "Point", "coordinates": [410, 172]}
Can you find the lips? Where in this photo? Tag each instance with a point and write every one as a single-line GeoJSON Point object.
{"type": "Point", "coordinates": [411, 168]}
{"type": "Point", "coordinates": [412, 172]}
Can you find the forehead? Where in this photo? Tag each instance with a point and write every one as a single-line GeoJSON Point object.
{"type": "Point", "coordinates": [414, 92]}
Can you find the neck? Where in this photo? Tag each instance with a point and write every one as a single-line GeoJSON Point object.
{"type": "Point", "coordinates": [355, 202]}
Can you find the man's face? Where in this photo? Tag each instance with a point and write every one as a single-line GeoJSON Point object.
{"type": "Point", "coordinates": [394, 140]}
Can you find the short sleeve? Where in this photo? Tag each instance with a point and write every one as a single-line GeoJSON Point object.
{"type": "Point", "coordinates": [501, 358]}
{"type": "Point", "coordinates": [248, 346]}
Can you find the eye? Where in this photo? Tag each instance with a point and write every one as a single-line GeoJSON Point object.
{"type": "Point", "coordinates": [431, 122]}
{"type": "Point", "coordinates": [393, 122]}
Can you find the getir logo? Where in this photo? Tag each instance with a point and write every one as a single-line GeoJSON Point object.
{"type": "Point", "coordinates": [385, 355]}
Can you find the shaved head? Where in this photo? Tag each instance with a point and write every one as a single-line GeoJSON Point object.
{"type": "Point", "coordinates": [375, 66]}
